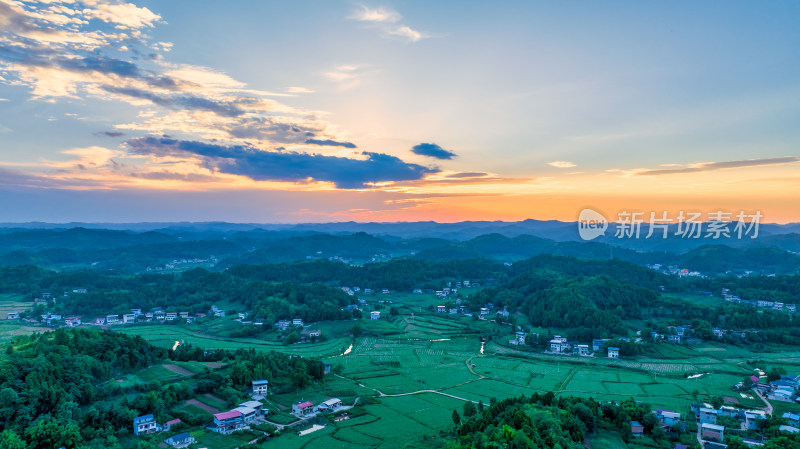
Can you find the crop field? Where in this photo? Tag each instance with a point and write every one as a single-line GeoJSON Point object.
{"type": "Point", "coordinates": [166, 336]}
{"type": "Point", "coordinates": [393, 423]}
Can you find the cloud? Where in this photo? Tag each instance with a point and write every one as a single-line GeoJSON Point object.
{"type": "Point", "coordinates": [710, 166]}
{"type": "Point", "coordinates": [285, 166]}
{"type": "Point", "coordinates": [387, 20]}
{"type": "Point", "coordinates": [299, 90]}
{"type": "Point", "coordinates": [330, 143]}
{"type": "Point", "coordinates": [432, 150]}
{"type": "Point", "coordinates": [110, 133]}
{"type": "Point", "coordinates": [347, 76]}
{"type": "Point", "coordinates": [125, 15]}
{"type": "Point", "coordinates": [561, 164]}
{"type": "Point", "coordinates": [379, 15]}
{"type": "Point", "coordinates": [408, 33]}
{"type": "Point", "coordinates": [475, 174]}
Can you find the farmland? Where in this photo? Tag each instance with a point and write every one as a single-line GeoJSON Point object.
{"type": "Point", "coordinates": [411, 371]}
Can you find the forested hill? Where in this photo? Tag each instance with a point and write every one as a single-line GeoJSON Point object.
{"type": "Point", "coordinates": [169, 250]}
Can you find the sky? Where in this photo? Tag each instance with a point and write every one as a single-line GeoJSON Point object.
{"type": "Point", "coordinates": [318, 111]}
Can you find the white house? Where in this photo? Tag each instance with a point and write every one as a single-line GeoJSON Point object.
{"type": "Point", "coordinates": [128, 318]}
{"type": "Point", "coordinates": [613, 353]}
{"type": "Point", "coordinates": [260, 388]}
{"type": "Point", "coordinates": [297, 322]}
{"type": "Point", "coordinates": [112, 319]}
{"type": "Point", "coordinates": [248, 414]}
{"type": "Point", "coordinates": [13, 315]}
{"type": "Point", "coordinates": [145, 424]}
{"type": "Point", "coordinates": [330, 405]}
{"type": "Point", "coordinates": [583, 350]}
{"type": "Point", "coordinates": [374, 315]}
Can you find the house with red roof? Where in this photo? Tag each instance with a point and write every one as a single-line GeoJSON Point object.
{"type": "Point", "coordinates": [227, 422]}
{"type": "Point", "coordinates": [302, 408]}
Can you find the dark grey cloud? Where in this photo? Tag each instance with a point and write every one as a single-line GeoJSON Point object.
{"type": "Point", "coordinates": [168, 175]}
{"type": "Point", "coordinates": [709, 166]}
{"type": "Point", "coordinates": [468, 174]}
{"type": "Point", "coordinates": [285, 166]}
{"type": "Point", "coordinates": [432, 150]}
{"type": "Point", "coordinates": [109, 134]}
{"type": "Point", "coordinates": [330, 143]}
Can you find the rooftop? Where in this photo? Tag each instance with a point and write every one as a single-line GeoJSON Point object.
{"type": "Point", "coordinates": [228, 415]}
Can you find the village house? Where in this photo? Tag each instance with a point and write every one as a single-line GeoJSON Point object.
{"type": "Point", "coordinates": [315, 333]}
{"type": "Point", "coordinates": [13, 315]}
{"type": "Point", "coordinates": [112, 319]}
{"type": "Point", "coordinates": [184, 315]}
{"type": "Point", "coordinates": [72, 321]}
{"type": "Point", "coordinates": [674, 338]}
{"type": "Point", "coordinates": [668, 417]}
{"type": "Point", "coordinates": [168, 425]}
{"type": "Point", "coordinates": [248, 414]}
{"type": "Point", "coordinates": [613, 353]}
{"type": "Point", "coordinates": [520, 337]}
{"type": "Point", "coordinates": [326, 368]}
{"type": "Point", "coordinates": [227, 422]}
{"type": "Point", "coordinates": [145, 424]}
{"type": "Point", "coordinates": [637, 429]}
{"type": "Point", "coordinates": [297, 322]}
{"type": "Point", "coordinates": [180, 440]}
{"type": "Point", "coordinates": [712, 432]}
{"type": "Point", "coordinates": [598, 344]}
{"type": "Point", "coordinates": [718, 332]}
{"type": "Point", "coordinates": [255, 405]}
{"type": "Point", "coordinates": [282, 325]}
{"type": "Point", "coordinates": [374, 315]}
{"type": "Point", "coordinates": [330, 405]}
{"type": "Point", "coordinates": [708, 415]}
{"type": "Point", "coordinates": [159, 314]}
{"type": "Point", "coordinates": [243, 315]}
{"type": "Point", "coordinates": [260, 388]}
{"type": "Point", "coordinates": [441, 309]}
{"type": "Point", "coordinates": [789, 429]}
{"type": "Point", "coordinates": [559, 344]}
{"type": "Point", "coordinates": [792, 418]}
{"type": "Point", "coordinates": [171, 316]}
{"type": "Point", "coordinates": [583, 350]}
{"type": "Point", "coordinates": [128, 318]}
{"type": "Point", "coordinates": [302, 409]}
{"type": "Point", "coordinates": [484, 311]}
{"type": "Point", "coordinates": [752, 417]}
{"type": "Point", "coordinates": [99, 321]}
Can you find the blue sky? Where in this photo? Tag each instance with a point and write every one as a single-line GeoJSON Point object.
{"type": "Point", "coordinates": [314, 109]}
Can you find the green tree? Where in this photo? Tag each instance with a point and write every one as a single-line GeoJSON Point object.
{"type": "Point", "coordinates": [10, 440]}
{"type": "Point", "coordinates": [357, 330]}
{"type": "Point", "coordinates": [456, 418]}
{"type": "Point", "coordinates": [469, 409]}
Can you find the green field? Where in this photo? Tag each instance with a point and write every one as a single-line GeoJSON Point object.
{"type": "Point", "coordinates": [412, 372]}
{"type": "Point", "coordinates": [167, 336]}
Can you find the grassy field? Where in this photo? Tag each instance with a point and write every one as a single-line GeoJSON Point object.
{"type": "Point", "coordinates": [413, 371]}
{"type": "Point", "coordinates": [166, 336]}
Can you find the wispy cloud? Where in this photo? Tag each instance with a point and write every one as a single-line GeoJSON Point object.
{"type": "Point", "coordinates": [561, 164]}
{"type": "Point", "coordinates": [387, 21]}
{"type": "Point", "coordinates": [710, 166]}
